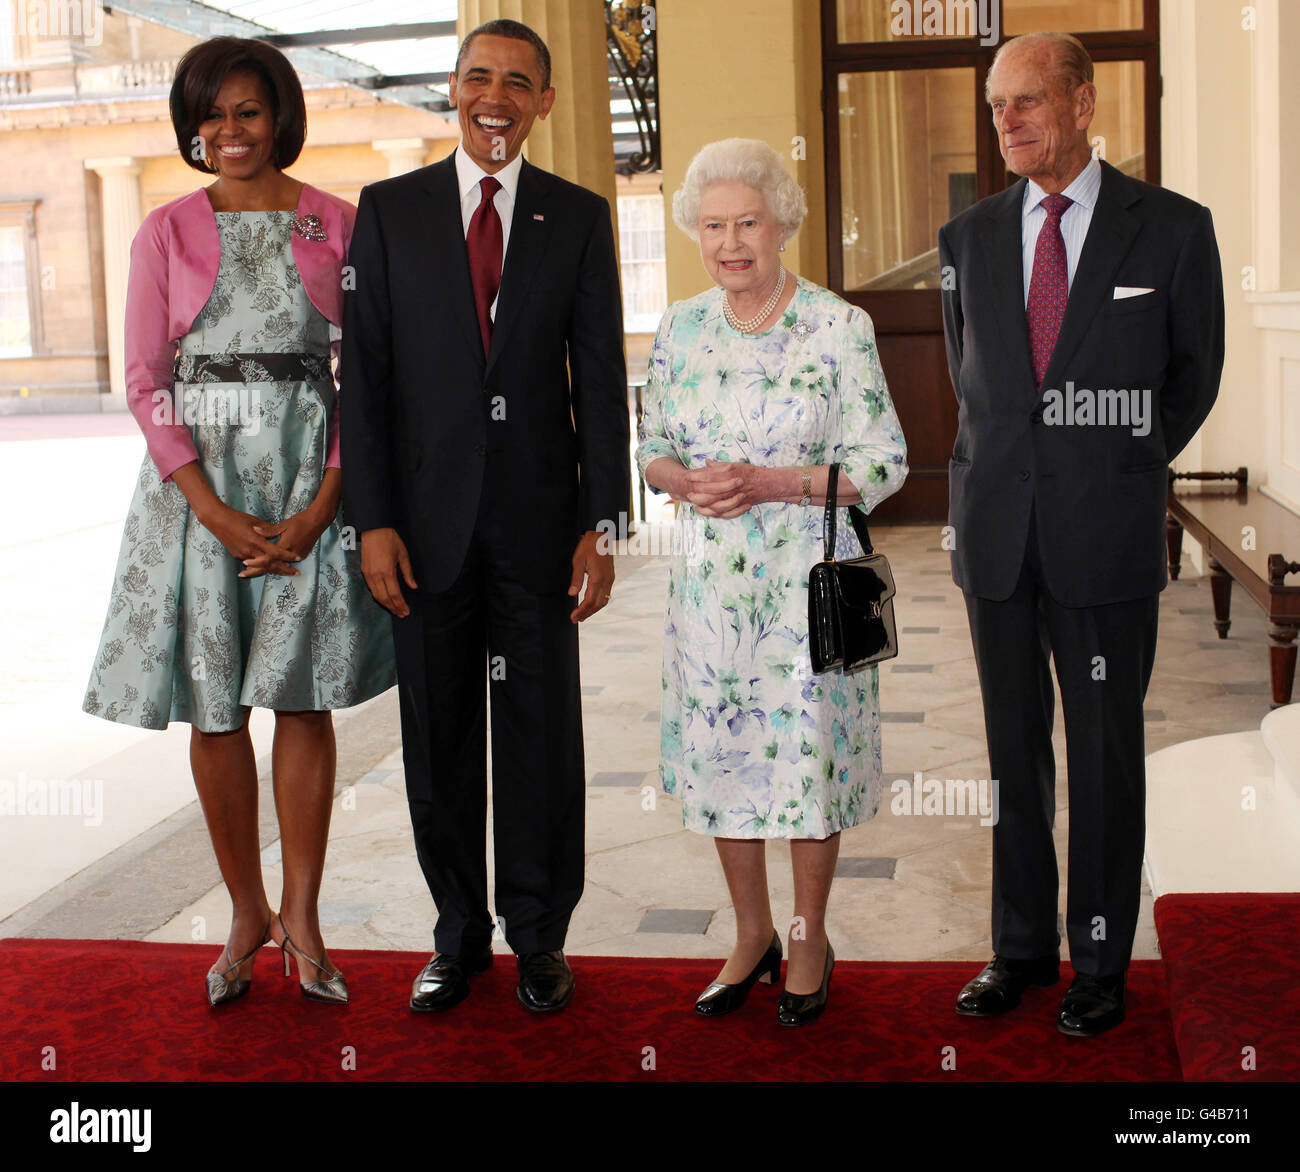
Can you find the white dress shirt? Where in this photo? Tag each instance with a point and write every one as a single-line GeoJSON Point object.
{"type": "Point", "coordinates": [468, 176]}
{"type": "Point", "coordinates": [1074, 220]}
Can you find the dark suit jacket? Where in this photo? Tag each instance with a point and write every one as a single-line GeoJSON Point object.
{"type": "Point", "coordinates": [421, 407]}
{"type": "Point", "coordinates": [1098, 491]}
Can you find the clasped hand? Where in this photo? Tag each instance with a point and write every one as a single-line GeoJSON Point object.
{"type": "Point", "coordinates": [248, 538]}
{"type": "Point", "coordinates": [721, 488]}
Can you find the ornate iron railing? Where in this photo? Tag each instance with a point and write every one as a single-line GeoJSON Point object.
{"type": "Point", "coordinates": [630, 32]}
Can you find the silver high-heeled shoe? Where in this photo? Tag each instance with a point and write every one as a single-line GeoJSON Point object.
{"type": "Point", "coordinates": [329, 984]}
{"type": "Point", "coordinates": [219, 987]}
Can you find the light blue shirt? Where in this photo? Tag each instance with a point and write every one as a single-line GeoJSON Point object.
{"type": "Point", "coordinates": [1074, 221]}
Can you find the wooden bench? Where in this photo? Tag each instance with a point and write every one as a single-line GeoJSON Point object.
{"type": "Point", "coordinates": [1216, 514]}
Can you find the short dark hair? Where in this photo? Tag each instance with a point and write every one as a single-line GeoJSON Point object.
{"type": "Point", "coordinates": [200, 75]}
{"type": "Point", "coordinates": [516, 32]}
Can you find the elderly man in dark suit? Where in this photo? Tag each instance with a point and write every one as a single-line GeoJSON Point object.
{"type": "Point", "coordinates": [1084, 331]}
{"type": "Point", "coordinates": [486, 439]}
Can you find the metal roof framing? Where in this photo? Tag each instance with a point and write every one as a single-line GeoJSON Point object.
{"type": "Point", "coordinates": [306, 49]}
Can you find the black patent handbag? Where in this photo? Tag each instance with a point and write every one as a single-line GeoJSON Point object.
{"type": "Point", "coordinates": [850, 603]}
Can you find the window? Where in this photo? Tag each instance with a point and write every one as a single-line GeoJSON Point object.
{"type": "Point", "coordinates": [898, 187]}
{"type": "Point", "coordinates": [643, 265]}
{"type": "Point", "coordinates": [15, 305]}
{"type": "Point", "coordinates": [909, 137]}
{"type": "Point", "coordinates": [7, 23]}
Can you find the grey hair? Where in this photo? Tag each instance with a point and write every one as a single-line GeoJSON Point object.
{"type": "Point", "coordinates": [740, 160]}
{"type": "Point", "coordinates": [1070, 67]}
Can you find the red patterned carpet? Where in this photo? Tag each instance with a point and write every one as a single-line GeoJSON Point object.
{"type": "Point", "coordinates": [1233, 964]}
{"type": "Point", "coordinates": [131, 1011]}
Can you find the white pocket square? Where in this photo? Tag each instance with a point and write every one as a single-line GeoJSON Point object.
{"type": "Point", "coordinates": [1122, 291]}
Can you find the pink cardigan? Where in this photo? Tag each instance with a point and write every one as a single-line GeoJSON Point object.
{"type": "Point", "coordinates": [174, 261]}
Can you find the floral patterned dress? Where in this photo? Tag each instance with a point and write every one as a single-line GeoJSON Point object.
{"type": "Point", "coordinates": [186, 638]}
{"type": "Point", "coordinates": [752, 742]}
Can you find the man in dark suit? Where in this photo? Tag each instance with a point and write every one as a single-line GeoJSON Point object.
{"type": "Point", "coordinates": [485, 440]}
{"type": "Point", "coordinates": [1084, 328]}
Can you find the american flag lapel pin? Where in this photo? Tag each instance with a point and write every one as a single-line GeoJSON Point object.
{"type": "Point", "coordinates": [538, 216]}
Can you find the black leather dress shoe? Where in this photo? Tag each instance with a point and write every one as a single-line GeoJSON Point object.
{"type": "Point", "coordinates": [1092, 1005]}
{"type": "Point", "coordinates": [796, 1009]}
{"type": "Point", "coordinates": [718, 998]}
{"type": "Point", "coordinates": [444, 981]}
{"type": "Point", "coordinates": [545, 981]}
{"type": "Point", "coordinates": [1003, 982]}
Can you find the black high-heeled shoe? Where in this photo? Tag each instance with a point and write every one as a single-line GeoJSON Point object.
{"type": "Point", "coordinates": [718, 998]}
{"type": "Point", "coordinates": [796, 1009]}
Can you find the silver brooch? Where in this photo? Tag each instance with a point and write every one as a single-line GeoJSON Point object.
{"type": "Point", "coordinates": [801, 329]}
{"type": "Point", "coordinates": [308, 227]}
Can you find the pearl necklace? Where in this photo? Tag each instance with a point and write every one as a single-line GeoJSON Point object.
{"type": "Point", "coordinates": [746, 327]}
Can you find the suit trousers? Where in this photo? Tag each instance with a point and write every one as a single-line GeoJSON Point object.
{"type": "Point", "coordinates": [1103, 656]}
{"type": "Point", "coordinates": [493, 622]}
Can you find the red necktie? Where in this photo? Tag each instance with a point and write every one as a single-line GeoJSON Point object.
{"type": "Point", "coordinates": [483, 243]}
{"type": "Point", "coordinates": [1048, 287]}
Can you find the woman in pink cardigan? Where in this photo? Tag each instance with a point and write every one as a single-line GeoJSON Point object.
{"type": "Point", "coordinates": [236, 585]}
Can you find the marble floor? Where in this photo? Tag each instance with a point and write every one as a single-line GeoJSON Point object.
{"type": "Point", "coordinates": [910, 886]}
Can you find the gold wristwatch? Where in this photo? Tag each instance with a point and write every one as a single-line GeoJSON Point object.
{"type": "Point", "coordinates": [806, 499]}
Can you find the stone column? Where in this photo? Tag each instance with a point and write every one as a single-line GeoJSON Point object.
{"type": "Point", "coordinates": [576, 141]}
{"type": "Point", "coordinates": [755, 74]}
{"type": "Point", "coordinates": [403, 154]}
{"type": "Point", "coordinates": [119, 178]}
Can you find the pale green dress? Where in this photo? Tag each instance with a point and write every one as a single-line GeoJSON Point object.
{"type": "Point", "coordinates": [752, 742]}
{"type": "Point", "coordinates": [186, 638]}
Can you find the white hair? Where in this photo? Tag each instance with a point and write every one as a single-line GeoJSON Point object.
{"type": "Point", "coordinates": [740, 160]}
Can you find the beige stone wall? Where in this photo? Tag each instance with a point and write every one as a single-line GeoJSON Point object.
{"type": "Point", "coordinates": [1206, 156]}
{"type": "Point", "coordinates": [43, 150]}
{"type": "Point", "coordinates": [47, 163]}
{"type": "Point", "coordinates": [352, 139]}
{"type": "Point", "coordinates": [1212, 150]}
{"type": "Point", "coordinates": [747, 72]}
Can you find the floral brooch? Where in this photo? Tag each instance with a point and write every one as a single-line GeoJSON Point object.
{"type": "Point", "coordinates": [801, 329]}
{"type": "Point", "coordinates": [308, 227]}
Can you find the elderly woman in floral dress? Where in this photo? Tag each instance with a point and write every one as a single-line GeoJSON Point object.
{"type": "Point", "coordinates": [755, 387]}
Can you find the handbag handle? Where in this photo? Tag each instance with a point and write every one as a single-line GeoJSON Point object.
{"type": "Point", "coordinates": [856, 519]}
